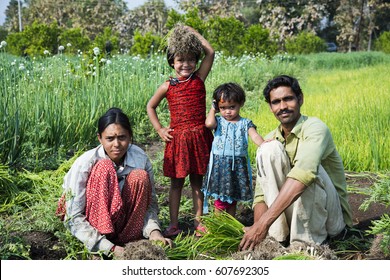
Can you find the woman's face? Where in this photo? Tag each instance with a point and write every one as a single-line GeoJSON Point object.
{"type": "Point", "coordinates": [115, 140]}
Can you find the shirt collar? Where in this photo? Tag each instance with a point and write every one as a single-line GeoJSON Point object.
{"type": "Point", "coordinates": [296, 130]}
{"type": "Point", "coordinates": [129, 161]}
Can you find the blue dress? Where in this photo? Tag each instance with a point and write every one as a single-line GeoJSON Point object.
{"type": "Point", "coordinates": [229, 175]}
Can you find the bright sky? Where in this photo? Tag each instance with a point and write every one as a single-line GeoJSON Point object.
{"type": "Point", "coordinates": [130, 4]}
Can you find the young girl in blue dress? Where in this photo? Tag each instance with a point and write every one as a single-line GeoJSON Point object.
{"type": "Point", "coordinates": [228, 178]}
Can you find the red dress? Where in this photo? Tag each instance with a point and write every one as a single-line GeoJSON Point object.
{"type": "Point", "coordinates": [189, 150]}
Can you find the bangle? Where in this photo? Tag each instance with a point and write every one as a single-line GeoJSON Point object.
{"type": "Point", "coordinates": [113, 248]}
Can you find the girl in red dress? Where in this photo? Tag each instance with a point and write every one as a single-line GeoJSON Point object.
{"type": "Point", "coordinates": [188, 141]}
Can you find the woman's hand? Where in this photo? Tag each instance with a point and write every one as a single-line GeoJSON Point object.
{"type": "Point", "coordinates": [164, 133]}
{"type": "Point", "coordinates": [118, 252]}
{"type": "Point", "coordinates": [157, 236]}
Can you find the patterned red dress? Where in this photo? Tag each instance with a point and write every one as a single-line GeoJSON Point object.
{"type": "Point", "coordinates": [189, 150]}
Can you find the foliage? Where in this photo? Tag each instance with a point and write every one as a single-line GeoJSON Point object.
{"type": "Point", "coordinates": [296, 256]}
{"type": "Point", "coordinates": [3, 33]}
{"type": "Point", "coordinates": [382, 227]}
{"type": "Point", "coordinates": [225, 35]}
{"type": "Point", "coordinates": [11, 23]}
{"type": "Point", "coordinates": [257, 40]}
{"type": "Point", "coordinates": [329, 61]}
{"type": "Point", "coordinates": [222, 237]}
{"type": "Point", "coordinates": [383, 42]}
{"type": "Point", "coordinates": [50, 106]}
{"type": "Point", "coordinates": [305, 43]}
{"type": "Point", "coordinates": [379, 193]}
{"type": "Point", "coordinates": [190, 18]}
{"type": "Point", "coordinates": [108, 41]}
{"type": "Point", "coordinates": [149, 17]}
{"type": "Point", "coordinates": [93, 15]}
{"type": "Point", "coordinates": [34, 40]}
{"type": "Point", "coordinates": [7, 182]}
{"type": "Point", "coordinates": [145, 45]}
{"type": "Point", "coordinates": [285, 19]}
{"type": "Point", "coordinates": [74, 40]}
{"type": "Point", "coordinates": [356, 21]}
{"type": "Point", "coordinates": [12, 246]}
{"type": "Point", "coordinates": [212, 8]}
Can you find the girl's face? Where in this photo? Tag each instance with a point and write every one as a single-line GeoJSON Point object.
{"type": "Point", "coordinates": [229, 110]}
{"type": "Point", "coordinates": [115, 140]}
{"type": "Point", "coordinates": [184, 65]}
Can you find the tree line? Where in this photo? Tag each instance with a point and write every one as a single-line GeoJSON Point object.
{"type": "Point", "coordinates": [232, 26]}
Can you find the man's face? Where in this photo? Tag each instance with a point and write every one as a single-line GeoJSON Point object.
{"type": "Point", "coordinates": [285, 106]}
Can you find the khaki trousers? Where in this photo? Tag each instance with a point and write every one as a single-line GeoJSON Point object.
{"type": "Point", "coordinates": [315, 215]}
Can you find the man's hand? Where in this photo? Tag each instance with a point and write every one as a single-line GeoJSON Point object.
{"type": "Point", "coordinates": [253, 236]}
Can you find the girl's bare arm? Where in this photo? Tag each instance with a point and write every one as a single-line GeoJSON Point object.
{"type": "Point", "coordinates": [163, 132]}
{"type": "Point", "coordinates": [256, 138]}
{"type": "Point", "coordinates": [207, 61]}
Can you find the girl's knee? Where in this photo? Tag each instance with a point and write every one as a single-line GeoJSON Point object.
{"type": "Point", "coordinates": [138, 175]}
{"type": "Point", "coordinates": [103, 168]}
{"type": "Point", "coordinates": [104, 164]}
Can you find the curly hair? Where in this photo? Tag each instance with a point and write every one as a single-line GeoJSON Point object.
{"type": "Point", "coordinates": [182, 42]}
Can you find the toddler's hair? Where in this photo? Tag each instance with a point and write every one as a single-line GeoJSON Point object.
{"type": "Point", "coordinates": [183, 42]}
{"type": "Point", "coordinates": [230, 92]}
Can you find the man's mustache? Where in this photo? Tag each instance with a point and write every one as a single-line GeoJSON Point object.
{"type": "Point", "coordinates": [284, 111]}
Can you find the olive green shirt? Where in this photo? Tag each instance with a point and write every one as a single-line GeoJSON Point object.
{"type": "Point", "coordinates": [309, 145]}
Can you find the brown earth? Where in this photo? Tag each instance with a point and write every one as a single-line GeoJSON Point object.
{"type": "Point", "coordinates": [45, 246]}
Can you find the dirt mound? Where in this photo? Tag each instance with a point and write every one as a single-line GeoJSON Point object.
{"type": "Point", "coordinates": [270, 249]}
{"type": "Point", "coordinates": [144, 250]}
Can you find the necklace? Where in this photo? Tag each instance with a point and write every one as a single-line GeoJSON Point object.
{"type": "Point", "coordinates": [175, 81]}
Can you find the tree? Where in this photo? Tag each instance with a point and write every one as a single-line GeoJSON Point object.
{"type": "Point", "coordinates": [11, 23]}
{"type": "Point", "coordinates": [145, 45]}
{"type": "Point", "coordinates": [212, 8]}
{"type": "Point", "coordinates": [357, 20]}
{"type": "Point", "coordinates": [257, 40]}
{"type": "Point", "coordinates": [91, 15]}
{"type": "Point", "coordinates": [108, 40]}
{"type": "Point", "coordinates": [284, 19]}
{"type": "Point", "coordinates": [383, 42]}
{"type": "Point", "coordinates": [225, 34]}
{"type": "Point", "coordinates": [191, 18]}
{"type": "Point", "coordinates": [150, 17]}
{"type": "Point", "coordinates": [74, 39]}
{"type": "Point", "coordinates": [34, 39]}
{"type": "Point", "coordinates": [305, 43]}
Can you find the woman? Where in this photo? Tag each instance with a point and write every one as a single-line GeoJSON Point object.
{"type": "Point", "coordinates": [110, 195]}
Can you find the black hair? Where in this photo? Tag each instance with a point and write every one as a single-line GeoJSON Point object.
{"type": "Point", "coordinates": [231, 92]}
{"type": "Point", "coordinates": [115, 116]}
{"type": "Point", "coordinates": [282, 80]}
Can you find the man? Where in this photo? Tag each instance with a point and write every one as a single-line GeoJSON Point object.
{"type": "Point", "coordinates": [300, 190]}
